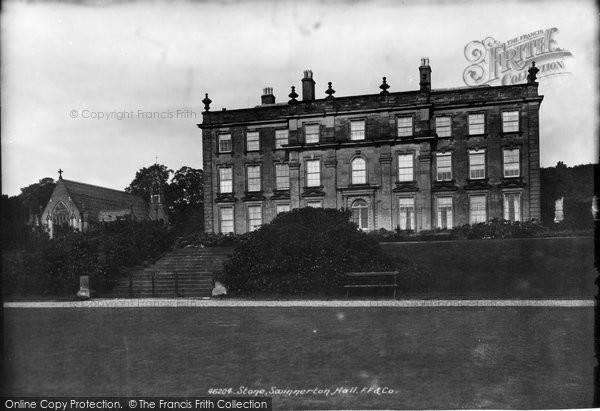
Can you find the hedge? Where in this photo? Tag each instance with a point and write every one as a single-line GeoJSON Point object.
{"type": "Point", "coordinates": [53, 266]}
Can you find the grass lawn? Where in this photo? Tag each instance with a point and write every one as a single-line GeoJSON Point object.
{"type": "Point", "coordinates": [512, 357]}
{"type": "Point", "coordinates": [510, 268]}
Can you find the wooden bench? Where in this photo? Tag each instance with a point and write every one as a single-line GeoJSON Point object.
{"type": "Point", "coordinates": [374, 279]}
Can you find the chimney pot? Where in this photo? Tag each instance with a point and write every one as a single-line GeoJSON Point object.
{"type": "Point", "coordinates": [425, 75]}
{"type": "Point", "coordinates": [267, 96]}
{"type": "Point", "coordinates": [308, 86]}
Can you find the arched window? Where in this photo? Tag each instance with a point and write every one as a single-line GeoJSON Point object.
{"type": "Point", "coordinates": [60, 214]}
{"type": "Point", "coordinates": [61, 218]}
{"type": "Point", "coordinates": [359, 171]}
{"type": "Point", "coordinates": [360, 214]}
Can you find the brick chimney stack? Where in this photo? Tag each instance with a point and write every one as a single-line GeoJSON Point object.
{"type": "Point", "coordinates": [308, 86]}
{"type": "Point", "coordinates": [267, 96]}
{"type": "Point", "coordinates": [425, 75]}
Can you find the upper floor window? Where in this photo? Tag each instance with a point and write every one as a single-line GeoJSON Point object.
{"type": "Point", "coordinates": [476, 165]}
{"type": "Point", "coordinates": [405, 167]}
{"type": "Point", "coordinates": [510, 121]}
{"type": "Point", "coordinates": [252, 141]}
{"type": "Point", "coordinates": [281, 138]}
{"type": "Point", "coordinates": [359, 171]}
{"type": "Point", "coordinates": [443, 166]}
{"type": "Point", "coordinates": [443, 126]}
{"type": "Point", "coordinates": [282, 177]}
{"type": "Point", "coordinates": [311, 133]}
{"type": "Point", "coordinates": [511, 162]}
{"type": "Point", "coordinates": [253, 178]}
{"type": "Point", "coordinates": [405, 126]}
{"type": "Point", "coordinates": [357, 130]}
{"type": "Point", "coordinates": [313, 173]}
{"type": "Point", "coordinates": [226, 180]}
{"type": "Point", "coordinates": [476, 123]}
{"type": "Point", "coordinates": [225, 145]}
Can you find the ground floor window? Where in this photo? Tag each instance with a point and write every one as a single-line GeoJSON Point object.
{"type": "Point", "coordinates": [360, 214]}
{"type": "Point", "coordinates": [406, 213]}
{"type": "Point", "coordinates": [444, 212]}
{"type": "Point", "coordinates": [254, 217]}
{"type": "Point", "coordinates": [477, 209]}
{"type": "Point", "coordinates": [282, 208]}
{"type": "Point", "coordinates": [512, 207]}
{"type": "Point", "coordinates": [314, 203]}
{"type": "Point", "coordinates": [226, 220]}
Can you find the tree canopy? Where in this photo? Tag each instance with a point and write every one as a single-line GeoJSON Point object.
{"type": "Point", "coordinates": [183, 193]}
{"type": "Point", "coordinates": [150, 179]}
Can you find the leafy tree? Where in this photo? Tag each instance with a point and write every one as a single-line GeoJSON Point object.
{"type": "Point", "coordinates": [186, 196]}
{"type": "Point", "coordinates": [18, 211]}
{"type": "Point", "coordinates": [35, 196]}
{"type": "Point", "coordinates": [148, 180]}
{"type": "Point", "coordinates": [576, 185]}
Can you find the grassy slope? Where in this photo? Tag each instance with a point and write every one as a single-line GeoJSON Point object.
{"type": "Point", "coordinates": [518, 268]}
{"type": "Point", "coordinates": [432, 357]}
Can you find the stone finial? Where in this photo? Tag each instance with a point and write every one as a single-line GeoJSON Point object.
{"type": "Point", "coordinates": [384, 87]}
{"type": "Point", "coordinates": [532, 76]}
{"type": "Point", "coordinates": [330, 92]}
{"type": "Point", "coordinates": [293, 96]}
{"type": "Point", "coordinates": [206, 102]}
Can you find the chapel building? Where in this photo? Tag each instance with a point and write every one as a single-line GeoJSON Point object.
{"type": "Point", "coordinates": [79, 206]}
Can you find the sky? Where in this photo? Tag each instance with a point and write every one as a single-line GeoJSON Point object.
{"type": "Point", "coordinates": [101, 89]}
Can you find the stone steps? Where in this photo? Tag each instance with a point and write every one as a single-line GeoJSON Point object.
{"type": "Point", "coordinates": [195, 269]}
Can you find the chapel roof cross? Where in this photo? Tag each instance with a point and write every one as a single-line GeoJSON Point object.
{"type": "Point", "coordinates": [60, 174]}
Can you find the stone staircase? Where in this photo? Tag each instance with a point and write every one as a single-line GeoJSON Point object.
{"type": "Point", "coordinates": [185, 272]}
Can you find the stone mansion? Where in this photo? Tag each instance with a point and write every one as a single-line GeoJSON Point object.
{"type": "Point", "coordinates": [414, 160]}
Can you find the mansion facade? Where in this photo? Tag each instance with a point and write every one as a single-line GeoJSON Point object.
{"type": "Point", "coordinates": [414, 160]}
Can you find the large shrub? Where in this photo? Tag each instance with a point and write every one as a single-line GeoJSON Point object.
{"type": "Point", "coordinates": [306, 250]}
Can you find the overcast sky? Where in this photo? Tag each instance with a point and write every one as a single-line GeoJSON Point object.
{"type": "Point", "coordinates": [62, 60]}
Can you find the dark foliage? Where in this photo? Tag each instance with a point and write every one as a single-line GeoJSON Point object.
{"type": "Point", "coordinates": [201, 239]}
{"type": "Point", "coordinates": [576, 186]}
{"type": "Point", "coordinates": [53, 267]}
{"type": "Point", "coordinates": [306, 250]}
{"type": "Point", "coordinates": [492, 229]}
{"type": "Point", "coordinates": [35, 196]}
{"type": "Point", "coordinates": [149, 180]}
{"type": "Point", "coordinates": [15, 232]}
{"type": "Point", "coordinates": [183, 194]}
{"type": "Point", "coordinates": [186, 200]}
{"type": "Point", "coordinates": [20, 213]}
